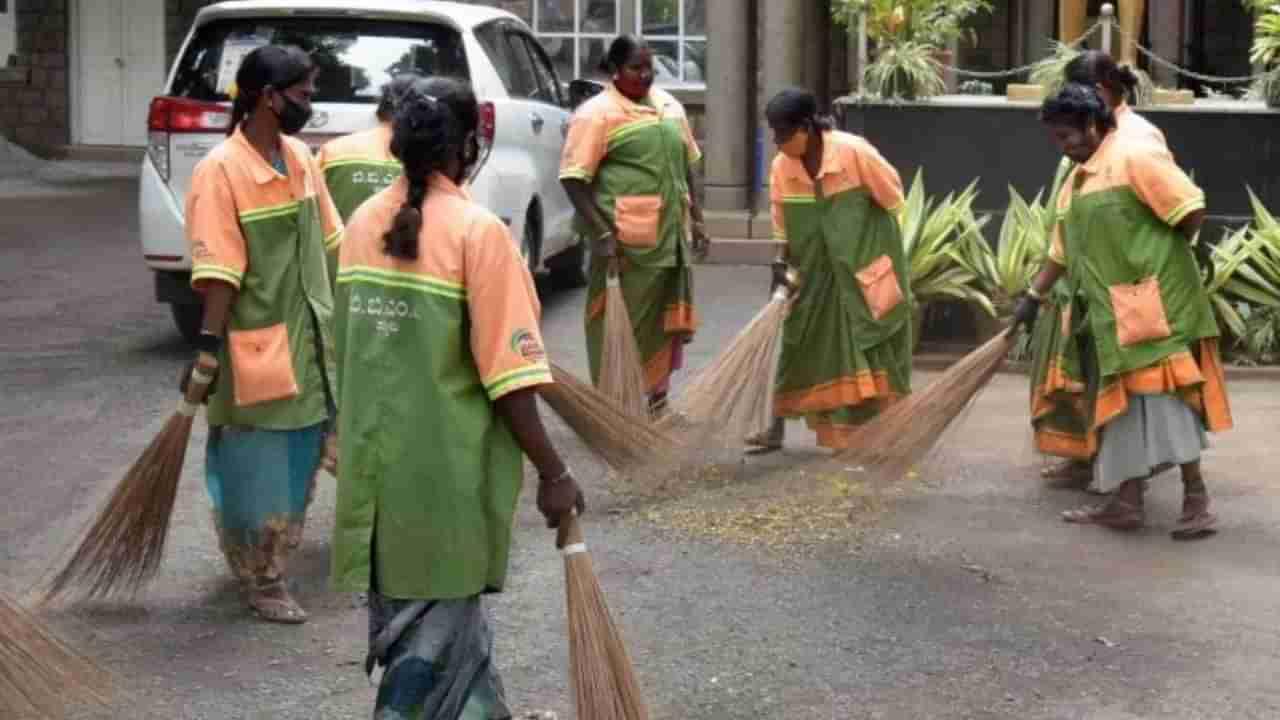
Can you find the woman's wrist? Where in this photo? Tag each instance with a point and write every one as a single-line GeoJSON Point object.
{"type": "Point", "coordinates": [555, 477]}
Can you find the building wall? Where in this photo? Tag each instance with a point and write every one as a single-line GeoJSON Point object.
{"type": "Point", "coordinates": [34, 106]}
{"type": "Point", "coordinates": [8, 32]}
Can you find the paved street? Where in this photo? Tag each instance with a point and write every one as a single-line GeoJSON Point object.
{"type": "Point", "coordinates": [960, 595]}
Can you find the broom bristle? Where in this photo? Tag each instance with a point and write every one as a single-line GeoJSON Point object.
{"type": "Point", "coordinates": [732, 397]}
{"type": "Point", "coordinates": [621, 376]}
{"type": "Point", "coordinates": [38, 672]}
{"type": "Point", "coordinates": [604, 680]}
{"type": "Point", "coordinates": [122, 550]}
{"type": "Point", "coordinates": [904, 433]}
{"type": "Point", "coordinates": [622, 441]}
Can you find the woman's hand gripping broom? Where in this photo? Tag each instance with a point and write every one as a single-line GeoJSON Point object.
{"type": "Point", "coordinates": [122, 550]}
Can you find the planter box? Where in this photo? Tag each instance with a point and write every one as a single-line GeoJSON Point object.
{"type": "Point", "coordinates": [1025, 93]}
{"type": "Point", "coordinates": [1173, 97]}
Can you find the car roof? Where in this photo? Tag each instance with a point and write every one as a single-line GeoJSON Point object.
{"type": "Point", "coordinates": [461, 15]}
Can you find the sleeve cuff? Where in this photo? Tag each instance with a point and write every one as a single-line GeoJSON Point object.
{"type": "Point", "coordinates": [576, 174]}
{"type": "Point", "coordinates": [333, 241]}
{"type": "Point", "coordinates": [1181, 212]}
{"type": "Point", "coordinates": [518, 379]}
{"type": "Point", "coordinates": [216, 272]}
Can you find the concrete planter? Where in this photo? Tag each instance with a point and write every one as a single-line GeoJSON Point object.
{"type": "Point", "coordinates": [1162, 96]}
{"type": "Point", "coordinates": [1017, 92]}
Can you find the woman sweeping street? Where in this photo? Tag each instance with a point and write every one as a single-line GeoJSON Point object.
{"type": "Point", "coordinates": [628, 168]}
{"type": "Point", "coordinates": [441, 355]}
{"type": "Point", "coordinates": [259, 221]}
{"type": "Point", "coordinates": [1061, 358]}
{"type": "Point", "coordinates": [847, 343]}
{"type": "Point", "coordinates": [360, 165]}
{"type": "Point", "coordinates": [1127, 219]}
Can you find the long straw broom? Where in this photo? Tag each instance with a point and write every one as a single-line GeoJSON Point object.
{"type": "Point", "coordinates": [621, 376]}
{"type": "Point", "coordinates": [39, 674]}
{"type": "Point", "coordinates": [903, 434]}
{"type": "Point", "coordinates": [122, 550]}
{"type": "Point", "coordinates": [623, 441]}
{"type": "Point", "coordinates": [733, 396]}
{"type": "Point", "coordinates": [604, 681]}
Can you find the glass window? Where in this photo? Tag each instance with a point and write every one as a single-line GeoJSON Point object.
{"type": "Point", "coordinates": [574, 33]}
{"type": "Point", "coordinates": [355, 58]}
{"type": "Point", "coordinates": [677, 30]}
{"type": "Point", "coordinates": [549, 90]}
{"type": "Point", "coordinates": [525, 83]}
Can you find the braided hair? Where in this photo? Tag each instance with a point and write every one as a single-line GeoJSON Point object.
{"type": "Point", "coordinates": [1094, 67]}
{"type": "Point", "coordinates": [797, 108]}
{"type": "Point", "coordinates": [433, 120]}
{"type": "Point", "coordinates": [1076, 106]}
{"type": "Point", "coordinates": [274, 66]}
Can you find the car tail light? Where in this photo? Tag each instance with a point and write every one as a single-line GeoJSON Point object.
{"type": "Point", "coordinates": [170, 115]}
{"type": "Point", "coordinates": [487, 131]}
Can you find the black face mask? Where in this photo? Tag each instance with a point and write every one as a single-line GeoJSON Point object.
{"type": "Point", "coordinates": [294, 117]}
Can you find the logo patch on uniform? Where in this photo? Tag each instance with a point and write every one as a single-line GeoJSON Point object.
{"type": "Point", "coordinates": [525, 344]}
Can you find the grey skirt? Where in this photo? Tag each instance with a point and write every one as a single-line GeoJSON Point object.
{"type": "Point", "coordinates": [1156, 433]}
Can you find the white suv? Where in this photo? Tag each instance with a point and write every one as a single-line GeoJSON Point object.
{"type": "Point", "coordinates": [357, 46]}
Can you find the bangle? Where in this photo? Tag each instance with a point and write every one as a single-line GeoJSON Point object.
{"type": "Point", "coordinates": [208, 342]}
{"type": "Point", "coordinates": [566, 474]}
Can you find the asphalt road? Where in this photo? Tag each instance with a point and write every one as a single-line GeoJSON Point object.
{"type": "Point", "coordinates": [764, 592]}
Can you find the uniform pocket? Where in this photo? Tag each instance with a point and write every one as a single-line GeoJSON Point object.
{"type": "Point", "coordinates": [880, 286]}
{"type": "Point", "coordinates": [636, 217]}
{"type": "Point", "coordinates": [262, 365]}
{"type": "Point", "coordinates": [1139, 312]}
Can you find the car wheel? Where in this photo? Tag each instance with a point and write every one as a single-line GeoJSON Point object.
{"type": "Point", "coordinates": [188, 319]}
{"type": "Point", "coordinates": [531, 240]}
{"type": "Point", "coordinates": [572, 266]}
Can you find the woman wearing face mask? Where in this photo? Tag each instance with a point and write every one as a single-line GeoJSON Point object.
{"type": "Point", "coordinates": [437, 327]}
{"type": "Point", "coordinates": [628, 168]}
{"type": "Point", "coordinates": [259, 221]}
{"type": "Point", "coordinates": [847, 343]}
{"type": "Point", "coordinates": [360, 165]}
{"type": "Point", "coordinates": [1127, 217]}
{"type": "Point", "coordinates": [1061, 364]}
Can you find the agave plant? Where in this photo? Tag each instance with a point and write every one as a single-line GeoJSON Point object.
{"type": "Point", "coordinates": [1256, 281]}
{"type": "Point", "coordinates": [905, 70]}
{"type": "Point", "coordinates": [944, 246]}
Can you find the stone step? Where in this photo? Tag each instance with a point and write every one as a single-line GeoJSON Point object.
{"type": "Point", "coordinates": [742, 251]}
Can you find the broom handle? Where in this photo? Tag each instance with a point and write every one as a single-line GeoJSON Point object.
{"type": "Point", "coordinates": [570, 531]}
{"type": "Point", "coordinates": [202, 376]}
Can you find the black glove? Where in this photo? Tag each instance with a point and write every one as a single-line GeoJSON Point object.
{"type": "Point", "coordinates": [1204, 258]}
{"type": "Point", "coordinates": [1025, 312]}
{"type": "Point", "coordinates": [779, 274]}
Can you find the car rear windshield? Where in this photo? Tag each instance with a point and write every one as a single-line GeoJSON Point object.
{"type": "Point", "coordinates": [355, 57]}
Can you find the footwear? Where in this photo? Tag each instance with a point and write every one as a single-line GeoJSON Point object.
{"type": "Point", "coordinates": [1115, 515]}
{"type": "Point", "coordinates": [272, 602]}
{"type": "Point", "coordinates": [763, 443]}
{"type": "Point", "coordinates": [1196, 521]}
{"type": "Point", "coordinates": [1068, 475]}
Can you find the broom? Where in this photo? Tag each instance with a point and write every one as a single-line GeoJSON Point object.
{"type": "Point", "coordinates": [621, 377]}
{"type": "Point", "coordinates": [736, 390]}
{"type": "Point", "coordinates": [623, 441]}
{"type": "Point", "coordinates": [122, 549]}
{"type": "Point", "coordinates": [904, 433]}
{"type": "Point", "coordinates": [38, 673]}
{"type": "Point", "coordinates": [604, 682]}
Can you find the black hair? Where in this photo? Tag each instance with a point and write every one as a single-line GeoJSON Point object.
{"type": "Point", "coordinates": [432, 121]}
{"type": "Point", "coordinates": [392, 91]}
{"type": "Point", "coordinates": [620, 51]}
{"type": "Point", "coordinates": [1076, 106]}
{"type": "Point", "coordinates": [797, 108]}
{"type": "Point", "coordinates": [1094, 67]}
{"type": "Point", "coordinates": [277, 66]}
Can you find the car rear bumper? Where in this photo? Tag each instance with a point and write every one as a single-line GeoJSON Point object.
{"type": "Point", "coordinates": [160, 224]}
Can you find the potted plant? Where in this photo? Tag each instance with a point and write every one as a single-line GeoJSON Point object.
{"type": "Point", "coordinates": [1266, 49]}
{"type": "Point", "coordinates": [906, 70]}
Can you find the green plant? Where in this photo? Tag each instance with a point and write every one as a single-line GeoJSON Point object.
{"type": "Point", "coordinates": [1266, 37]}
{"type": "Point", "coordinates": [1020, 251]}
{"type": "Point", "coordinates": [1050, 73]}
{"type": "Point", "coordinates": [976, 87]}
{"type": "Point", "coordinates": [905, 70]}
{"type": "Point", "coordinates": [934, 22]}
{"type": "Point", "coordinates": [943, 241]}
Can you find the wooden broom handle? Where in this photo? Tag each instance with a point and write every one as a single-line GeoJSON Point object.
{"type": "Point", "coordinates": [570, 531]}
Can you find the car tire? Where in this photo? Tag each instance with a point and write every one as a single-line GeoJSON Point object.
{"type": "Point", "coordinates": [572, 266]}
{"type": "Point", "coordinates": [188, 319]}
{"type": "Point", "coordinates": [531, 239]}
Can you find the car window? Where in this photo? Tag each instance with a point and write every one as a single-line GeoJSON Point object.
{"type": "Point", "coordinates": [549, 90]}
{"type": "Point", "coordinates": [355, 58]}
{"type": "Point", "coordinates": [492, 38]}
{"type": "Point", "coordinates": [524, 76]}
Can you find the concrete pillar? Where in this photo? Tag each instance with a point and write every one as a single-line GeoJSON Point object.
{"type": "Point", "coordinates": [1037, 27]}
{"type": "Point", "coordinates": [1166, 38]}
{"type": "Point", "coordinates": [729, 119]}
{"type": "Point", "coordinates": [782, 34]}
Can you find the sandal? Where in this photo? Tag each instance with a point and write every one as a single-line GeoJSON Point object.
{"type": "Point", "coordinates": [1115, 515]}
{"type": "Point", "coordinates": [273, 603]}
{"type": "Point", "coordinates": [1196, 521]}
{"type": "Point", "coordinates": [763, 443]}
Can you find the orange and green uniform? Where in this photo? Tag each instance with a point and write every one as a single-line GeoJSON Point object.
{"type": "Point", "coordinates": [847, 343]}
{"type": "Point", "coordinates": [1149, 323]}
{"type": "Point", "coordinates": [637, 157]}
{"type": "Point", "coordinates": [358, 166]}
{"type": "Point", "coordinates": [1057, 348]}
{"type": "Point", "coordinates": [429, 472]}
{"type": "Point", "coordinates": [265, 233]}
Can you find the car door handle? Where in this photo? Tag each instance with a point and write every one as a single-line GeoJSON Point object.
{"type": "Point", "coordinates": [537, 122]}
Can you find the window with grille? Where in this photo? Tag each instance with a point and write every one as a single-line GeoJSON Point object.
{"type": "Point", "coordinates": [677, 31]}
